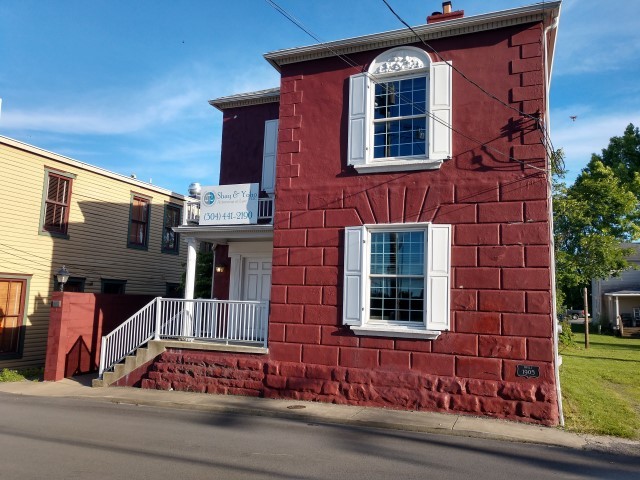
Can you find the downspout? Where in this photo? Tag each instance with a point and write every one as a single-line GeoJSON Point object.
{"type": "Point", "coordinates": [547, 87]}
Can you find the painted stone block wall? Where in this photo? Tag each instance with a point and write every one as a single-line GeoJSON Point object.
{"type": "Point", "coordinates": [494, 191]}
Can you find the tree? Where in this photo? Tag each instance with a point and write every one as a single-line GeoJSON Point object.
{"type": "Point", "coordinates": [592, 219]}
{"type": "Point", "coordinates": [623, 156]}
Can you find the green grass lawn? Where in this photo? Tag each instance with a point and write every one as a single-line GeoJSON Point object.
{"type": "Point", "coordinates": [601, 386]}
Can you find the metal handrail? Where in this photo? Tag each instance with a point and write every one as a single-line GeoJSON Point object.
{"type": "Point", "coordinates": [227, 321]}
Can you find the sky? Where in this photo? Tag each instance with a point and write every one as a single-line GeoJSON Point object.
{"type": "Point", "coordinates": [125, 85]}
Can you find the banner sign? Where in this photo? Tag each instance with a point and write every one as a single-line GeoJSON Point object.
{"type": "Point", "coordinates": [229, 204]}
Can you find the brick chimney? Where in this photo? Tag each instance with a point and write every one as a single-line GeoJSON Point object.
{"type": "Point", "coordinates": [446, 14]}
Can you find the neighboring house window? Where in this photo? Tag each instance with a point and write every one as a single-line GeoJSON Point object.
{"type": "Point", "coordinates": [170, 239]}
{"type": "Point", "coordinates": [400, 113]}
{"type": "Point", "coordinates": [139, 222]}
{"type": "Point", "coordinates": [12, 300]}
{"type": "Point", "coordinates": [113, 286]}
{"type": "Point", "coordinates": [57, 198]}
{"type": "Point", "coordinates": [396, 279]}
{"type": "Point", "coordinates": [74, 284]}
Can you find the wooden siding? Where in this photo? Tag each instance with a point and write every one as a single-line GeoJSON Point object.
{"type": "Point", "coordinates": [96, 244]}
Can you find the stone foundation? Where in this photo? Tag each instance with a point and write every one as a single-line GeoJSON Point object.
{"type": "Point", "coordinates": [257, 375]}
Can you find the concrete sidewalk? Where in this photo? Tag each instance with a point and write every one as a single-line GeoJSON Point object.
{"type": "Point", "coordinates": [428, 422]}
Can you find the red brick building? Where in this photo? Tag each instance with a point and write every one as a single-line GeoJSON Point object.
{"type": "Point", "coordinates": [408, 263]}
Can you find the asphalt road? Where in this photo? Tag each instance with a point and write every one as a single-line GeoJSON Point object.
{"type": "Point", "coordinates": [45, 438]}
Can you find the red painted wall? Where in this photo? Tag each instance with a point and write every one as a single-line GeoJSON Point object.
{"type": "Point", "coordinates": [242, 142]}
{"type": "Point", "coordinates": [77, 326]}
{"type": "Point", "coordinates": [501, 278]}
{"type": "Point", "coordinates": [221, 280]}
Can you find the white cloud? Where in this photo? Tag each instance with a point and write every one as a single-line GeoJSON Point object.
{"type": "Point", "coordinates": [111, 112]}
{"type": "Point", "coordinates": [588, 134]}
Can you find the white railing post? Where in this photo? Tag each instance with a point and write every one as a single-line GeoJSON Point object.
{"type": "Point", "coordinates": [265, 323]}
{"type": "Point", "coordinates": [158, 318]}
{"type": "Point", "coordinates": [103, 352]}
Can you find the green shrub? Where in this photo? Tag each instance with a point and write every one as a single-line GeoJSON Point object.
{"type": "Point", "coordinates": [33, 374]}
{"type": "Point", "coordinates": [566, 338]}
{"type": "Point", "coordinates": [7, 375]}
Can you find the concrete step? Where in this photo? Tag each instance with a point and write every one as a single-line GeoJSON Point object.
{"type": "Point", "coordinates": [130, 363]}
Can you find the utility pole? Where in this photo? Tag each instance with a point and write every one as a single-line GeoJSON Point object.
{"type": "Point", "coordinates": [586, 319]}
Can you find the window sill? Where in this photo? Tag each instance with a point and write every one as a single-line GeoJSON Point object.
{"type": "Point", "coordinates": [48, 233]}
{"type": "Point", "coordinates": [134, 246]}
{"type": "Point", "coordinates": [400, 332]}
{"type": "Point", "coordinates": [399, 165]}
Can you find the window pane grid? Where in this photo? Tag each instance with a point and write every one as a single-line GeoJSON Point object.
{"type": "Point", "coordinates": [397, 276]}
{"type": "Point", "coordinates": [169, 237]}
{"type": "Point", "coordinates": [139, 222]}
{"type": "Point", "coordinates": [400, 118]}
{"type": "Point", "coordinates": [56, 204]}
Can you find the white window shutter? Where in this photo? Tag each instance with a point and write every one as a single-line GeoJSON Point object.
{"type": "Point", "coordinates": [358, 122]}
{"type": "Point", "coordinates": [353, 288]}
{"type": "Point", "coordinates": [269, 153]}
{"type": "Point", "coordinates": [440, 109]}
{"type": "Point", "coordinates": [438, 277]}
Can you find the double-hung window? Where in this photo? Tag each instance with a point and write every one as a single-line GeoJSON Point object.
{"type": "Point", "coordinates": [170, 239]}
{"type": "Point", "coordinates": [396, 279]}
{"type": "Point", "coordinates": [139, 222]}
{"type": "Point", "coordinates": [12, 303]}
{"type": "Point", "coordinates": [400, 113]}
{"type": "Point", "coordinates": [56, 202]}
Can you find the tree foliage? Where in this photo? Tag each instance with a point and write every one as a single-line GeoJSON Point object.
{"type": "Point", "coordinates": [596, 215]}
{"type": "Point", "coordinates": [623, 157]}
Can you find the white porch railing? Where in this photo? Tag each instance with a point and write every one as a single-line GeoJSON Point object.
{"type": "Point", "coordinates": [191, 213]}
{"type": "Point", "coordinates": [221, 321]}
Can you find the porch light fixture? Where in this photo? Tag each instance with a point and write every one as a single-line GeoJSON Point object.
{"type": "Point", "coordinates": [219, 268]}
{"type": "Point", "coordinates": [62, 276]}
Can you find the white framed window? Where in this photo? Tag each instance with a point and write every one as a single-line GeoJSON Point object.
{"type": "Point", "coordinates": [400, 113]}
{"type": "Point", "coordinates": [396, 279]}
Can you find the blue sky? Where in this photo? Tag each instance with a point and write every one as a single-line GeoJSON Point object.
{"type": "Point", "coordinates": [124, 85]}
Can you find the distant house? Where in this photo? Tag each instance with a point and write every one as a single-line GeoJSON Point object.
{"type": "Point", "coordinates": [616, 300]}
{"type": "Point", "coordinates": [112, 232]}
{"type": "Point", "coordinates": [394, 246]}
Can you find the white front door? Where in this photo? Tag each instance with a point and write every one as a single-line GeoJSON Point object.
{"type": "Point", "coordinates": [257, 286]}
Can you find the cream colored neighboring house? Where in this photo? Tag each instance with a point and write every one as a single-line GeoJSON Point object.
{"type": "Point", "coordinates": [111, 231]}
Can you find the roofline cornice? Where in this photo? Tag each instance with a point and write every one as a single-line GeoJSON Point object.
{"type": "Point", "coordinates": [477, 23]}
{"type": "Point", "coordinates": [271, 95]}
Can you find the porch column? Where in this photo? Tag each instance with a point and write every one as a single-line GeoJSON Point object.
{"type": "Point", "coordinates": [189, 287]}
{"type": "Point", "coordinates": [190, 280]}
{"type": "Point", "coordinates": [617, 311]}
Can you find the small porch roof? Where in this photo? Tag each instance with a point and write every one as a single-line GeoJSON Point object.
{"type": "Point", "coordinates": [624, 293]}
{"type": "Point", "coordinates": [222, 234]}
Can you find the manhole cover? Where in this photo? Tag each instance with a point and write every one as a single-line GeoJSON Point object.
{"type": "Point", "coordinates": [296, 407]}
